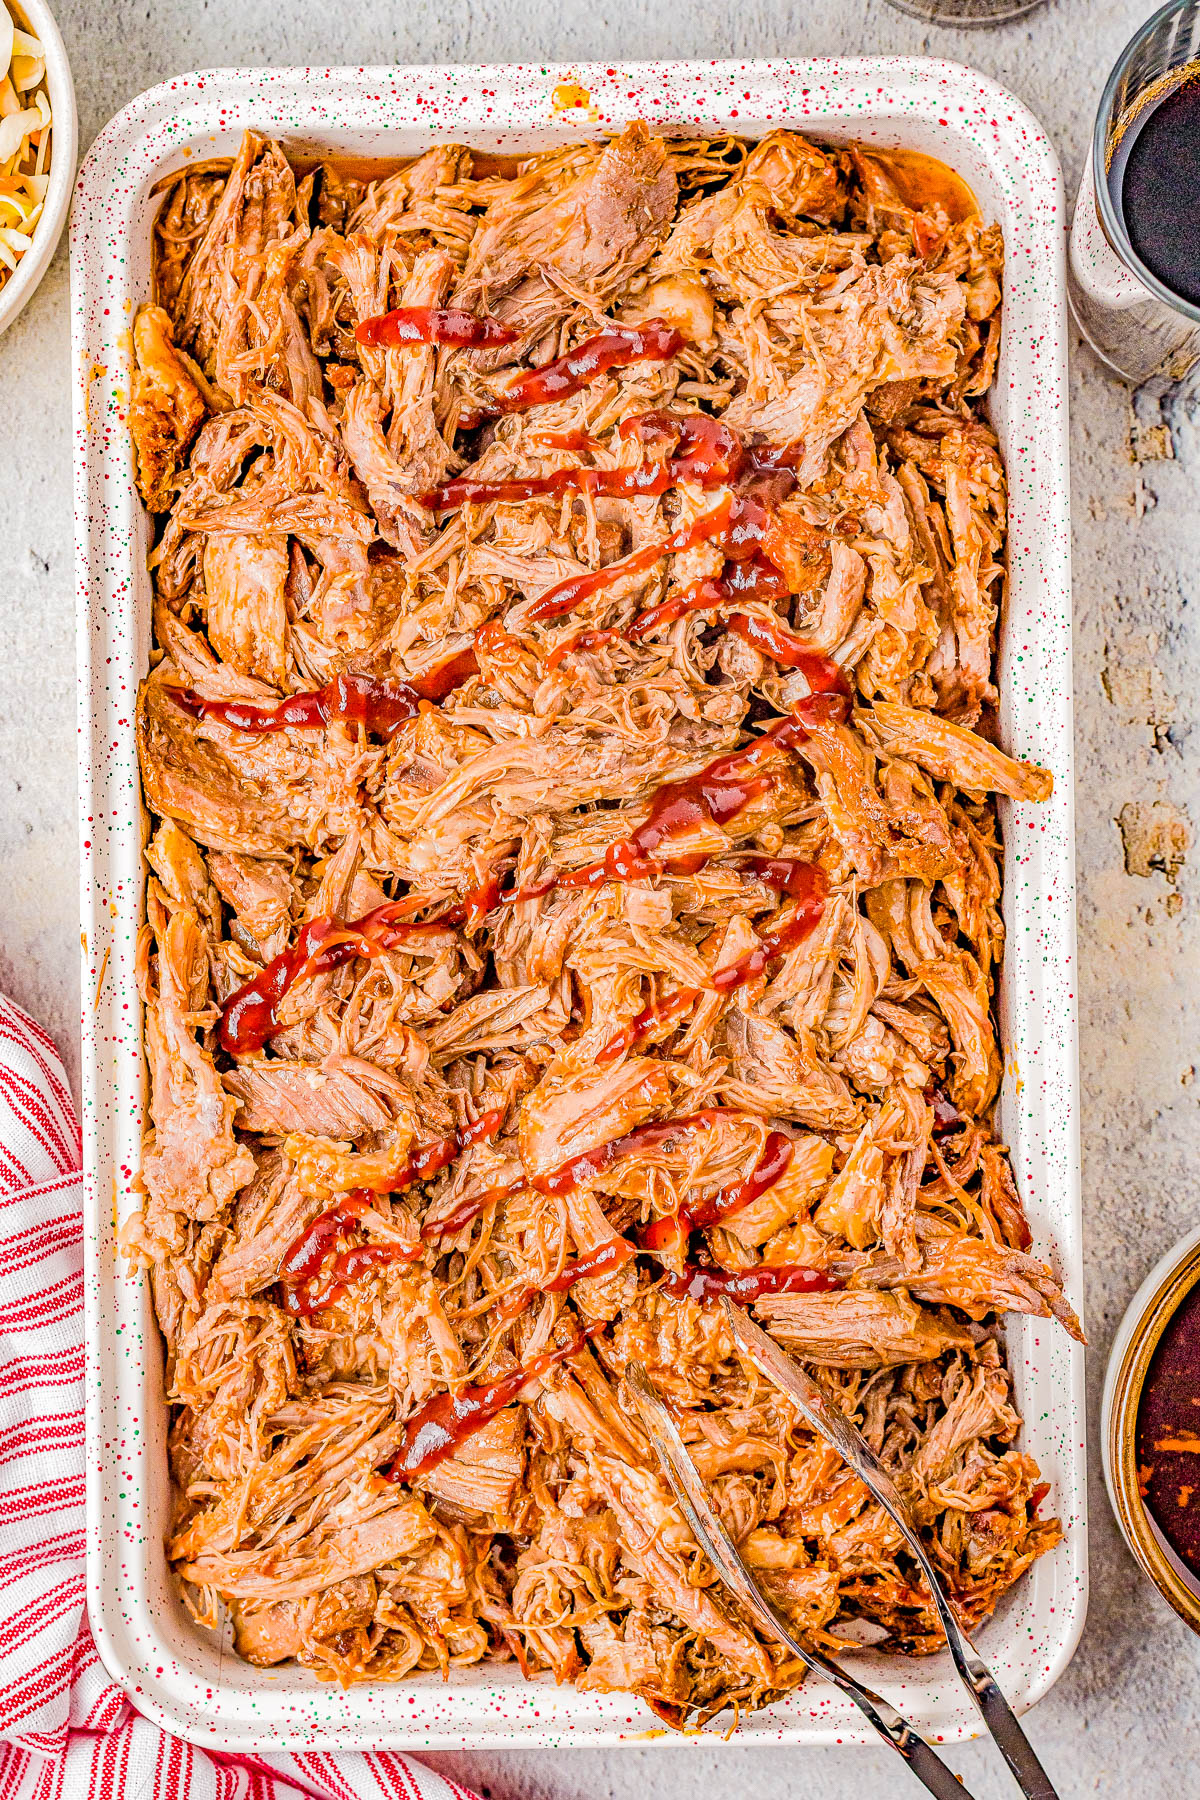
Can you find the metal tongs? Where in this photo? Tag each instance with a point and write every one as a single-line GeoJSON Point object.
{"type": "Point", "coordinates": [713, 1538]}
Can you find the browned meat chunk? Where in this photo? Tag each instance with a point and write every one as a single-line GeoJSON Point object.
{"type": "Point", "coordinates": [165, 410]}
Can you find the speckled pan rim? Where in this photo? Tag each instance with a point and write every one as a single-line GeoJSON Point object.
{"type": "Point", "coordinates": [172, 1674]}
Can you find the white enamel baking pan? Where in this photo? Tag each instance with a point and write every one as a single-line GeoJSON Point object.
{"type": "Point", "coordinates": [180, 1676]}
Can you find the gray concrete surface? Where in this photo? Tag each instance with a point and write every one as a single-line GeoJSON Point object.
{"type": "Point", "coordinates": [1125, 1719]}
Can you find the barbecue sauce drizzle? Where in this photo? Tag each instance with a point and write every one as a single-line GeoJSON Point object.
{"type": "Point", "coordinates": [696, 448]}
{"type": "Point", "coordinates": [670, 1231]}
{"type": "Point", "coordinates": [303, 1295]}
{"type": "Point", "coordinates": [738, 524]}
{"type": "Point", "coordinates": [431, 325]}
{"type": "Point", "coordinates": [708, 454]}
{"type": "Point", "coordinates": [705, 452]}
{"type": "Point", "coordinates": [752, 579]}
{"type": "Point", "coordinates": [378, 704]}
{"type": "Point", "coordinates": [445, 1421]}
{"type": "Point", "coordinates": [601, 1261]}
{"type": "Point", "coordinates": [655, 341]}
{"type": "Point", "coordinates": [566, 595]}
{"type": "Point", "coordinates": [717, 793]}
{"type": "Point", "coordinates": [251, 1014]}
{"type": "Point", "coordinates": [747, 1285]}
{"type": "Point", "coordinates": [714, 795]}
{"type": "Point", "coordinates": [304, 1256]}
{"type": "Point", "coordinates": [807, 883]}
{"type": "Point", "coordinates": [573, 1173]}
{"type": "Point", "coordinates": [671, 1008]}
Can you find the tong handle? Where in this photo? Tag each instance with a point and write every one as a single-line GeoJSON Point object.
{"type": "Point", "coordinates": [894, 1728]}
{"type": "Point", "coordinates": [853, 1448]}
{"type": "Point", "coordinates": [711, 1535]}
{"type": "Point", "coordinates": [1001, 1721]}
{"type": "Point", "coordinates": [927, 1765]}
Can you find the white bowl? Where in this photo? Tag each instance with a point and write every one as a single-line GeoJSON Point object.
{"type": "Point", "coordinates": [64, 149]}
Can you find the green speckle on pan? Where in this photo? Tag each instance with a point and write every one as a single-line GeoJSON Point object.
{"type": "Point", "coordinates": [201, 1693]}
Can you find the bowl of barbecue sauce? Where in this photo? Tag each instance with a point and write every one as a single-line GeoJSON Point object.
{"type": "Point", "coordinates": [1150, 1427]}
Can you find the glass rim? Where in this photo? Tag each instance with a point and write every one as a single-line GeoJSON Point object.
{"type": "Point", "coordinates": [1110, 220]}
{"type": "Point", "coordinates": [926, 13]}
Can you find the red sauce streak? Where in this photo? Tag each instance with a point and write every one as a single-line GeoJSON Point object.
{"type": "Point", "coordinates": [652, 1019]}
{"type": "Point", "coordinates": [809, 909]}
{"type": "Point", "coordinates": [752, 579]}
{"type": "Point", "coordinates": [303, 1298]}
{"type": "Point", "coordinates": [251, 1014]}
{"type": "Point", "coordinates": [445, 1421]}
{"type": "Point", "coordinates": [302, 1288]}
{"type": "Point", "coordinates": [576, 439]}
{"type": "Point", "coordinates": [305, 1255]}
{"type": "Point", "coordinates": [739, 522]}
{"type": "Point", "coordinates": [437, 683]}
{"type": "Point", "coordinates": [566, 596]}
{"type": "Point", "coordinates": [655, 341]}
{"type": "Point", "coordinates": [429, 1158]}
{"type": "Point", "coordinates": [431, 325]}
{"type": "Point", "coordinates": [771, 1165]}
{"type": "Point", "coordinates": [467, 1210]}
{"type": "Point", "coordinates": [1168, 1433]}
{"type": "Point", "coordinates": [748, 574]}
{"type": "Point", "coordinates": [747, 1285]}
{"type": "Point", "coordinates": [378, 704]}
{"type": "Point", "coordinates": [786, 874]}
{"type": "Point", "coordinates": [302, 1261]}
{"type": "Point", "coordinates": [810, 906]}
{"type": "Point", "coordinates": [597, 1161]}
{"type": "Point", "coordinates": [714, 795]}
{"type": "Point", "coordinates": [583, 640]}
{"type": "Point", "coordinates": [581, 1168]}
{"type": "Point", "coordinates": [601, 1261]}
{"type": "Point", "coordinates": [608, 483]}
{"type": "Point", "coordinates": [706, 452]}
{"type": "Point", "coordinates": [775, 639]}
{"type": "Point", "coordinates": [665, 1232]}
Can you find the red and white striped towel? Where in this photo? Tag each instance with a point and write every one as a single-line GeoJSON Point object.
{"type": "Point", "coordinates": [67, 1731]}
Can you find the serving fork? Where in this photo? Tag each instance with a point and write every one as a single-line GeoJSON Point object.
{"type": "Point", "coordinates": [832, 1426]}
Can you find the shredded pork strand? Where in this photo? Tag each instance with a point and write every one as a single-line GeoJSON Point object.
{"type": "Point", "coordinates": [323, 1281]}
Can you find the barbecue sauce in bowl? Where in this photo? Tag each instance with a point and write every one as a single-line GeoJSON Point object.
{"type": "Point", "coordinates": [1152, 177]}
{"type": "Point", "coordinates": [1168, 1434]}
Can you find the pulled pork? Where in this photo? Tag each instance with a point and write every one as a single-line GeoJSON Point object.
{"type": "Point", "coordinates": [574, 892]}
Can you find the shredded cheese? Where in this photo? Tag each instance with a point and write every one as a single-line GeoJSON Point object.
{"type": "Point", "coordinates": [25, 122]}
